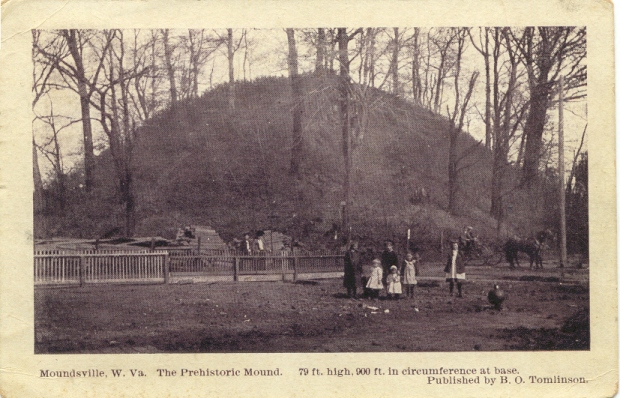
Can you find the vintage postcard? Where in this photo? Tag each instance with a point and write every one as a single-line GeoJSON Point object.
{"type": "Point", "coordinates": [307, 198]}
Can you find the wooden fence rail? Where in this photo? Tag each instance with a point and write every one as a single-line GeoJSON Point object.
{"type": "Point", "coordinates": [159, 266]}
{"type": "Point", "coordinates": [99, 268]}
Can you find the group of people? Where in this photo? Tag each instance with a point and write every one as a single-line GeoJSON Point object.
{"type": "Point", "coordinates": [388, 275]}
{"type": "Point", "coordinates": [249, 246]}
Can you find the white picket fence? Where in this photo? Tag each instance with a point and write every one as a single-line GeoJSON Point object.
{"type": "Point", "coordinates": [99, 267]}
{"type": "Point", "coordinates": [79, 268]}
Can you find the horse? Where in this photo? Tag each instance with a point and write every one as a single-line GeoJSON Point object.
{"type": "Point", "coordinates": [531, 246]}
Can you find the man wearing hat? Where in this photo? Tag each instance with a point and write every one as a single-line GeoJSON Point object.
{"type": "Point", "coordinates": [455, 268]}
{"type": "Point", "coordinates": [467, 239]}
{"type": "Point", "coordinates": [388, 258]}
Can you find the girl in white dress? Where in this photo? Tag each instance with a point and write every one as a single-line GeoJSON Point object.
{"type": "Point", "coordinates": [374, 282]}
{"type": "Point", "coordinates": [394, 288]}
{"type": "Point", "coordinates": [409, 272]}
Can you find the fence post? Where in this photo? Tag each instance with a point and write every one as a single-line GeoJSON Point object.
{"type": "Point", "coordinates": [199, 245]}
{"type": "Point", "coordinates": [81, 271]}
{"type": "Point", "coordinates": [166, 268]}
{"type": "Point", "coordinates": [294, 268]}
{"type": "Point", "coordinates": [236, 269]}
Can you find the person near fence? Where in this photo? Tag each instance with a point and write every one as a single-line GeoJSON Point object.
{"type": "Point", "coordinates": [352, 270]}
{"type": "Point", "coordinates": [388, 258]}
{"type": "Point", "coordinates": [258, 249]}
{"type": "Point", "coordinates": [259, 243]}
{"type": "Point", "coordinates": [409, 272]}
{"type": "Point", "coordinates": [246, 245]}
{"type": "Point", "coordinates": [394, 287]}
{"type": "Point", "coordinates": [455, 269]}
{"type": "Point", "coordinates": [375, 283]}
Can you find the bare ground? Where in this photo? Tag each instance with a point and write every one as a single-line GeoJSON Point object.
{"type": "Point", "coordinates": [315, 316]}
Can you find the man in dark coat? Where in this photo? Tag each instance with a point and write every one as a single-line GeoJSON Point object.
{"type": "Point", "coordinates": [455, 268]}
{"type": "Point", "coordinates": [352, 270]}
{"type": "Point", "coordinates": [388, 258]}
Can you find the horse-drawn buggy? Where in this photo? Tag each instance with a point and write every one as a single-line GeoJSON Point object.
{"type": "Point", "coordinates": [478, 252]}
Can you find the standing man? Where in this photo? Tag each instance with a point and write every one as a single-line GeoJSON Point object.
{"type": "Point", "coordinates": [388, 258]}
{"type": "Point", "coordinates": [352, 270]}
{"type": "Point", "coordinates": [246, 245]}
{"type": "Point", "coordinates": [455, 269]}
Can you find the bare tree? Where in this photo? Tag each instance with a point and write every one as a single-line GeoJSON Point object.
{"type": "Point", "coordinates": [442, 40]}
{"type": "Point", "coordinates": [50, 148]}
{"type": "Point", "coordinates": [416, 80]}
{"type": "Point", "coordinates": [168, 54]}
{"type": "Point", "coordinates": [547, 53]}
{"type": "Point", "coordinates": [483, 48]}
{"type": "Point", "coordinates": [343, 39]}
{"type": "Point", "coordinates": [231, 49]}
{"type": "Point", "coordinates": [197, 47]}
{"type": "Point", "coordinates": [296, 150]}
{"type": "Point", "coordinates": [74, 75]}
{"type": "Point", "coordinates": [319, 67]}
{"type": "Point", "coordinates": [395, 44]}
{"type": "Point", "coordinates": [457, 119]}
{"type": "Point", "coordinates": [118, 119]}
{"type": "Point", "coordinates": [41, 73]}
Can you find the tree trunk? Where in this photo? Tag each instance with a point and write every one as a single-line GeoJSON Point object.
{"type": "Point", "coordinates": [319, 66]}
{"type": "Point", "coordinates": [460, 109]}
{"type": "Point", "coordinates": [120, 132]}
{"type": "Point", "coordinates": [194, 58]}
{"type": "Point", "coordinates": [231, 70]}
{"type": "Point", "coordinates": [129, 200]}
{"type": "Point", "coordinates": [498, 164]}
{"type": "Point", "coordinates": [534, 128]}
{"type": "Point", "coordinates": [170, 68]}
{"type": "Point", "coordinates": [296, 150]}
{"type": "Point", "coordinates": [503, 133]}
{"type": "Point", "coordinates": [416, 83]}
{"type": "Point", "coordinates": [72, 37]}
{"type": "Point", "coordinates": [394, 63]}
{"type": "Point", "coordinates": [153, 71]}
{"type": "Point", "coordinates": [39, 204]}
{"type": "Point", "coordinates": [487, 91]}
{"type": "Point", "coordinates": [453, 183]}
{"type": "Point", "coordinates": [343, 43]}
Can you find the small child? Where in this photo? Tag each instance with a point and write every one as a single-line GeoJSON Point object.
{"type": "Point", "coordinates": [410, 271]}
{"type": "Point", "coordinates": [374, 282]}
{"type": "Point", "coordinates": [394, 288]}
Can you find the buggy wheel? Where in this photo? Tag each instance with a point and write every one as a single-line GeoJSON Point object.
{"type": "Point", "coordinates": [492, 256]}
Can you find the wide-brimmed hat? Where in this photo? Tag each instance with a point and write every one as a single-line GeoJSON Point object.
{"type": "Point", "coordinates": [393, 267]}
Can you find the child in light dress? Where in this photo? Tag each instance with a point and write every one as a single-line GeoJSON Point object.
{"type": "Point", "coordinates": [394, 288]}
{"type": "Point", "coordinates": [374, 282]}
{"type": "Point", "coordinates": [409, 272]}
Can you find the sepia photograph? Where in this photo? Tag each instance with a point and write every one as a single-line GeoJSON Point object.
{"type": "Point", "coordinates": [310, 190]}
{"type": "Point", "coordinates": [308, 198]}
